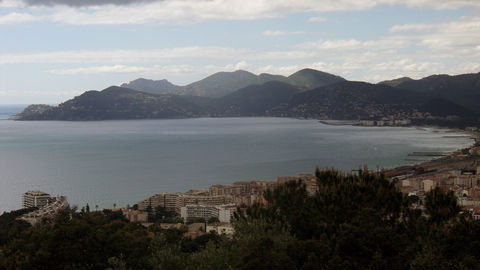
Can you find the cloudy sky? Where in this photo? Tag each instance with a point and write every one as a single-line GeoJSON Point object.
{"type": "Point", "coordinates": [52, 50]}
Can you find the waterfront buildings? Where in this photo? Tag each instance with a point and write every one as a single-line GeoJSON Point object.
{"type": "Point", "coordinates": [35, 198]}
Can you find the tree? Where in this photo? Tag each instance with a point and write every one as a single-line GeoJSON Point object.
{"type": "Point", "coordinates": [356, 219]}
{"type": "Point", "coordinates": [213, 220]}
{"type": "Point", "coordinates": [77, 241]}
{"type": "Point", "coordinates": [441, 206]}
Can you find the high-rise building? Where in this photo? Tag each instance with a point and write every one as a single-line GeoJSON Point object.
{"type": "Point", "coordinates": [35, 198]}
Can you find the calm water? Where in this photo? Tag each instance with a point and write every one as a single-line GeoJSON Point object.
{"type": "Point", "coordinates": [8, 110]}
{"type": "Point", "coordinates": [123, 162]}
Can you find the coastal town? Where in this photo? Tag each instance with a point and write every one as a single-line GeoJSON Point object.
{"type": "Point", "coordinates": [218, 203]}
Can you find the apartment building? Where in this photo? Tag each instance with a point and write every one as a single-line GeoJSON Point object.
{"type": "Point", "coordinates": [35, 198]}
{"type": "Point", "coordinates": [223, 212]}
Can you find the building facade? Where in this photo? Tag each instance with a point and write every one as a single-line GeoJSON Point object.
{"type": "Point", "coordinates": [35, 198]}
{"type": "Point", "coordinates": [224, 213]}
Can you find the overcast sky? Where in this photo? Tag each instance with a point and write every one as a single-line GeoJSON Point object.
{"type": "Point", "coordinates": [52, 50]}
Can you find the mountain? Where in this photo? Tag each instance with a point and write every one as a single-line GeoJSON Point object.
{"type": "Point", "coordinates": [254, 100]}
{"type": "Point", "coordinates": [438, 96]}
{"type": "Point", "coordinates": [118, 103]}
{"type": "Point", "coordinates": [307, 79]}
{"type": "Point", "coordinates": [352, 100]}
{"type": "Point", "coordinates": [151, 86]}
{"type": "Point", "coordinates": [223, 83]}
{"type": "Point", "coordinates": [266, 77]}
{"type": "Point", "coordinates": [463, 90]}
{"type": "Point", "coordinates": [396, 82]}
{"type": "Point", "coordinates": [442, 107]}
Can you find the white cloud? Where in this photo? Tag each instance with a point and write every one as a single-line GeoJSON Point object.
{"type": "Point", "coordinates": [99, 69]}
{"type": "Point", "coordinates": [164, 70]}
{"type": "Point", "coordinates": [11, 4]}
{"type": "Point", "coordinates": [242, 65]}
{"type": "Point", "coordinates": [439, 4]}
{"type": "Point", "coordinates": [317, 19]}
{"type": "Point", "coordinates": [15, 18]}
{"type": "Point", "coordinates": [467, 68]}
{"type": "Point", "coordinates": [280, 70]}
{"type": "Point", "coordinates": [188, 10]}
{"type": "Point", "coordinates": [411, 27]}
{"type": "Point", "coordinates": [354, 44]}
{"type": "Point", "coordinates": [39, 96]}
{"type": "Point", "coordinates": [124, 56]}
{"type": "Point", "coordinates": [122, 69]}
{"type": "Point", "coordinates": [409, 66]}
{"type": "Point", "coordinates": [280, 33]}
{"type": "Point", "coordinates": [414, 50]}
{"type": "Point", "coordinates": [455, 38]}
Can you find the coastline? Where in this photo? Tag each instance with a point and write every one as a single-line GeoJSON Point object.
{"type": "Point", "coordinates": [450, 157]}
{"type": "Point", "coordinates": [457, 159]}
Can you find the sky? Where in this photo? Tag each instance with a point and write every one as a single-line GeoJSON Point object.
{"type": "Point", "coordinates": [53, 50]}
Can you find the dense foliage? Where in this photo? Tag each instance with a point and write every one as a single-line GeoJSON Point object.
{"type": "Point", "coordinates": [356, 221]}
{"type": "Point", "coordinates": [10, 227]}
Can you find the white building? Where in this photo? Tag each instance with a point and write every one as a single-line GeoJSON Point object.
{"type": "Point", "coordinates": [35, 198]}
{"type": "Point", "coordinates": [47, 211]}
{"type": "Point", "coordinates": [224, 213]}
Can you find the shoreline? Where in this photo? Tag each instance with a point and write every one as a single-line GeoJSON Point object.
{"type": "Point", "coordinates": [453, 160]}
{"type": "Point", "coordinates": [445, 160]}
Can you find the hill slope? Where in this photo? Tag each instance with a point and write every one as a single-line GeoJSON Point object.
{"type": "Point", "coordinates": [223, 83]}
{"type": "Point", "coordinates": [464, 90]}
{"type": "Point", "coordinates": [253, 100]}
{"type": "Point", "coordinates": [352, 100]}
{"type": "Point", "coordinates": [118, 103]}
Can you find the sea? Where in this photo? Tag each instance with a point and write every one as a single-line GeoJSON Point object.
{"type": "Point", "coordinates": [106, 163]}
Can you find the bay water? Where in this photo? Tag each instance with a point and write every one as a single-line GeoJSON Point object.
{"type": "Point", "coordinates": [122, 162]}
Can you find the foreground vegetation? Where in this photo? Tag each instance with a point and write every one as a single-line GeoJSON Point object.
{"type": "Point", "coordinates": [353, 222]}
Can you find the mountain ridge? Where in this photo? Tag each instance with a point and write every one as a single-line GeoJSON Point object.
{"type": "Point", "coordinates": [223, 83]}
{"type": "Point", "coordinates": [428, 98]}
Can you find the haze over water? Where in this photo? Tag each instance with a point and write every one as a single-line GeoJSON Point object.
{"type": "Point", "coordinates": [123, 162]}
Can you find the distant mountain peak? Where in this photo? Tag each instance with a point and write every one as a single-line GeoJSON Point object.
{"type": "Point", "coordinates": [223, 83]}
{"type": "Point", "coordinates": [309, 78]}
{"type": "Point", "coordinates": [151, 86]}
{"type": "Point", "coordinates": [396, 82]}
